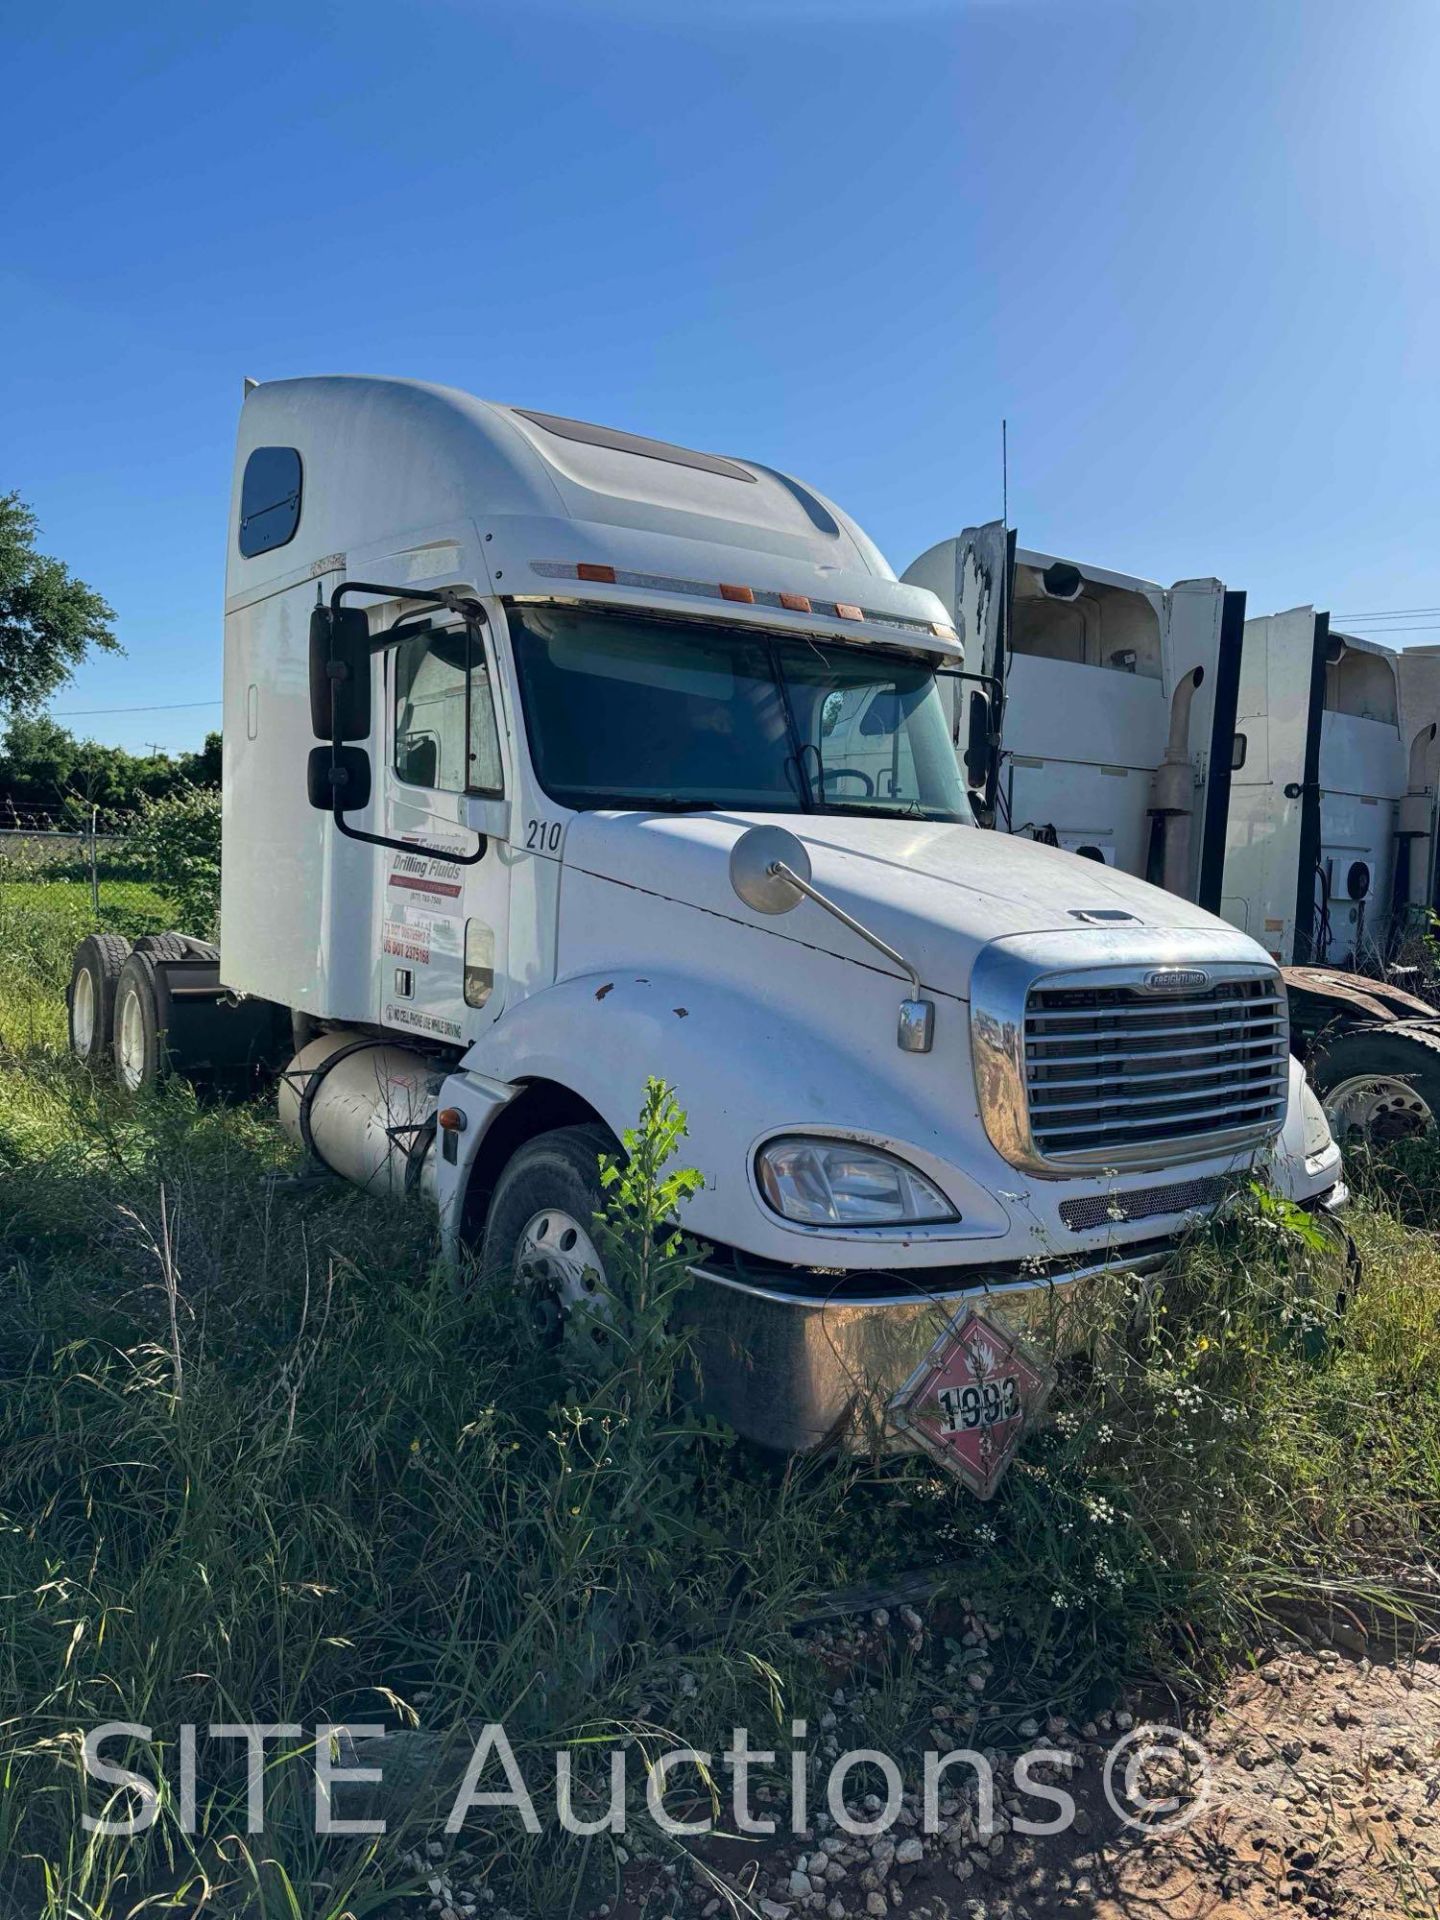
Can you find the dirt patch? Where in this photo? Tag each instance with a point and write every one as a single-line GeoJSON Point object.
{"type": "Point", "coordinates": [1323, 1799]}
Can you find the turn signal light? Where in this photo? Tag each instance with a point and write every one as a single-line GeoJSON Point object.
{"type": "Point", "coordinates": [589, 570]}
{"type": "Point", "coordinates": [451, 1119]}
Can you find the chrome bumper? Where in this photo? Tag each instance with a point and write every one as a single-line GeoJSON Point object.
{"type": "Point", "coordinates": [799, 1370]}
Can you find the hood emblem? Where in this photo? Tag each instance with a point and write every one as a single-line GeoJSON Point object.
{"type": "Point", "coordinates": [1176, 980]}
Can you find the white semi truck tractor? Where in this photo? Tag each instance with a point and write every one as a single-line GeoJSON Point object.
{"type": "Point", "coordinates": [556, 758]}
{"type": "Point", "coordinates": [1266, 768]}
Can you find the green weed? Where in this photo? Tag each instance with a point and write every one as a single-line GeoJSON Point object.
{"type": "Point", "coordinates": [260, 1459]}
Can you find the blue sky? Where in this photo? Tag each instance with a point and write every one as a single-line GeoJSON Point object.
{"type": "Point", "coordinates": [1190, 250]}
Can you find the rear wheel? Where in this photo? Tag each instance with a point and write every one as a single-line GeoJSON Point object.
{"type": "Point", "coordinates": [176, 946]}
{"type": "Point", "coordinates": [539, 1233]}
{"type": "Point", "coordinates": [90, 998]}
{"type": "Point", "coordinates": [140, 1057]}
{"type": "Point", "coordinates": [1380, 1084]}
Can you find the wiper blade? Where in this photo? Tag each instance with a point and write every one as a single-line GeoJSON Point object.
{"type": "Point", "coordinates": [859, 811]}
{"type": "Point", "coordinates": [658, 803]}
{"type": "Point", "coordinates": [672, 803]}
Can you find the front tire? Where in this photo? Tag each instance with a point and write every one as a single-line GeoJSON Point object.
{"type": "Point", "coordinates": [540, 1237]}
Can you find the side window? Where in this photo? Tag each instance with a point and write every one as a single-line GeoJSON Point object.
{"type": "Point", "coordinates": [269, 499]}
{"type": "Point", "coordinates": [1237, 753]}
{"type": "Point", "coordinates": [445, 732]}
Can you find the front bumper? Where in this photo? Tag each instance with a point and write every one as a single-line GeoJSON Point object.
{"type": "Point", "coordinates": [801, 1361]}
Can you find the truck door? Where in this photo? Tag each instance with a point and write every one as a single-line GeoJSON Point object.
{"type": "Point", "coordinates": [1273, 840]}
{"type": "Point", "coordinates": [1204, 628]}
{"type": "Point", "coordinates": [444, 928]}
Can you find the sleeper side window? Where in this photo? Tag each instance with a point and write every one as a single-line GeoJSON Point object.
{"type": "Point", "coordinates": [270, 493]}
{"type": "Point", "coordinates": [445, 732]}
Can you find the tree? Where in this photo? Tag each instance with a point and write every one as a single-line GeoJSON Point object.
{"type": "Point", "coordinates": [49, 620]}
{"type": "Point", "coordinates": [176, 842]}
{"type": "Point", "coordinates": [45, 769]}
{"type": "Point", "coordinates": [202, 769]}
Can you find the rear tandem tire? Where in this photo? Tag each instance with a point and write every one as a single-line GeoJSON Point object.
{"type": "Point", "coordinates": [141, 1057]}
{"type": "Point", "coordinates": [1380, 1084]}
{"type": "Point", "coordinates": [176, 946]}
{"type": "Point", "coordinates": [90, 996]}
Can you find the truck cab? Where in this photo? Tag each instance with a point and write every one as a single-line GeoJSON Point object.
{"type": "Point", "coordinates": [1321, 770]}
{"type": "Point", "coordinates": [1117, 696]}
{"type": "Point", "coordinates": [1275, 771]}
{"type": "Point", "coordinates": [556, 758]}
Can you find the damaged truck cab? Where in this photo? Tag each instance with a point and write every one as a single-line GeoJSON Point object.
{"type": "Point", "coordinates": [556, 758]}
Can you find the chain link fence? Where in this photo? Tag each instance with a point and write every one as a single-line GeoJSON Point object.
{"type": "Point", "coordinates": [134, 872]}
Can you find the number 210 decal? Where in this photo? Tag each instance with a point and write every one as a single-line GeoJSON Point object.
{"type": "Point", "coordinates": [544, 836]}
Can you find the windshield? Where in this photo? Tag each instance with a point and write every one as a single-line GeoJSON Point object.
{"type": "Point", "coordinates": [629, 711]}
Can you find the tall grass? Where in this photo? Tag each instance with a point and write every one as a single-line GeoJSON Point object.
{"type": "Point", "coordinates": [261, 1460]}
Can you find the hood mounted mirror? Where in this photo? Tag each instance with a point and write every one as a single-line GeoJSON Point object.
{"type": "Point", "coordinates": [770, 873]}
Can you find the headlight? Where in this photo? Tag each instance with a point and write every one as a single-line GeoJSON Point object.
{"type": "Point", "coordinates": [1317, 1128]}
{"type": "Point", "coordinates": [836, 1183]}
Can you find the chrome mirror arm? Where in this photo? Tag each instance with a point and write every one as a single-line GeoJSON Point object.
{"type": "Point", "coordinates": [917, 1015]}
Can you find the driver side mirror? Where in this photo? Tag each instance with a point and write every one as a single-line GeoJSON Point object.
{"type": "Point", "coordinates": [978, 745]}
{"type": "Point", "coordinates": [339, 673]}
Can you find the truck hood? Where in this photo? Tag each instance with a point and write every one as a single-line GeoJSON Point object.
{"type": "Point", "coordinates": [937, 893]}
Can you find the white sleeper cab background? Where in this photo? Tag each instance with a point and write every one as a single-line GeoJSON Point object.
{"type": "Point", "coordinates": [719, 1148]}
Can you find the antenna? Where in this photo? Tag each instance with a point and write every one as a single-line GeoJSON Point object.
{"type": "Point", "coordinates": [1005, 473]}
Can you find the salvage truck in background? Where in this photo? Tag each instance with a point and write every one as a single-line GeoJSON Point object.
{"type": "Point", "coordinates": [556, 758]}
{"type": "Point", "coordinates": [1276, 772]}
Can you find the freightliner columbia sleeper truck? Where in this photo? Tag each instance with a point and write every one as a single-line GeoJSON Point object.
{"type": "Point", "coordinates": [555, 758]}
{"type": "Point", "coordinates": [1277, 772]}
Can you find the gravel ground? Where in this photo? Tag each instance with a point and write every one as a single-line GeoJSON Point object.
{"type": "Point", "coordinates": [1323, 1799]}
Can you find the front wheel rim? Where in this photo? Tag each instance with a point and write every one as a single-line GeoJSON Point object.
{"type": "Point", "coordinates": [131, 1049]}
{"type": "Point", "coordinates": [82, 1015]}
{"type": "Point", "coordinates": [559, 1270]}
{"type": "Point", "coordinates": [1377, 1108]}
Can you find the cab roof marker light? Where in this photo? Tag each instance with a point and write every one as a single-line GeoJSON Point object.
{"type": "Point", "coordinates": [748, 596]}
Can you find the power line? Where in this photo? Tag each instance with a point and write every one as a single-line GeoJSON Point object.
{"type": "Point", "coordinates": [172, 706]}
{"type": "Point", "coordinates": [1387, 613]}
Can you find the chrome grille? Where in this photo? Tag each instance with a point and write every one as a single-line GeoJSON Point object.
{"type": "Point", "coordinates": [1115, 1075]}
